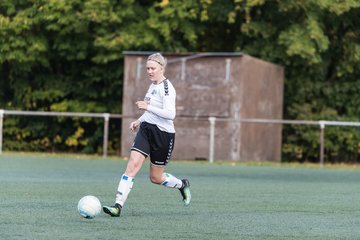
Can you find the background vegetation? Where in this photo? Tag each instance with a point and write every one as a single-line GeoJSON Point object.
{"type": "Point", "coordinates": [66, 55]}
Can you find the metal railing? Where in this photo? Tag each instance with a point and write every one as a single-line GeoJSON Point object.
{"type": "Point", "coordinates": [321, 124]}
{"type": "Point", "coordinates": [212, 120]}
{"type": "Point", "coordinates": [105, 116]}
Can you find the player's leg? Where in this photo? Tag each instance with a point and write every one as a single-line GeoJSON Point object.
{"type": "Point", "coordinates": [159, 157]}
{"type": "Point", "coordinates": [158, 176]}
{"type": "Point", "coordinates": [127, 179]}
{"type": "Point", "coordinates": [126, 183]}
{"type": "Point", "coordinates": [139, 151]}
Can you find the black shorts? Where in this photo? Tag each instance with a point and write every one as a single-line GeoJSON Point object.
{"type": "Point", "coordinates": [151, 141]}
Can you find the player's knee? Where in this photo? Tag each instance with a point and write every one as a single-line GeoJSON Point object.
{"type": "Point", "coordinates": [133, 166]}
{"type": "Point", "coordinates": [156, 179]}
{"type": "Point", "coordinates": [131, 170]}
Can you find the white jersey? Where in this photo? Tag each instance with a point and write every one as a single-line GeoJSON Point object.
{"type": "Point", "coordinates": [161, 110]}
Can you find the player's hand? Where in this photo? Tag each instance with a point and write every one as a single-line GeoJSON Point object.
{"type": "Point", "coordinates": [134, 125]}
{"type": "Point", "coordinates": [142, 105]}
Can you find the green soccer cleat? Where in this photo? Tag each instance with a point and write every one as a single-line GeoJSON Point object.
{"type": "Point", "coordinates": [185, 192]}
{"type": "Point", "coordinates": [113, 211]}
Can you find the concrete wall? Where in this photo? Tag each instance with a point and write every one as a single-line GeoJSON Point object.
{"type": "Point", "coordinates": [223, 85]}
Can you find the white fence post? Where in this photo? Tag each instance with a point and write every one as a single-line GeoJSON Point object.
{"type": "Point", "coordinates": [183, 68]}
{"type": "Point", "coordinates": [138, 68]}
{"type": "Point", "coordinates": [212, 121]}
{"type": "Point", "coordinates": [106, 134]}
{"type": "Point", "coordinates": [322, 131]}
{"type": "Point", "coordinates": [1, 128]}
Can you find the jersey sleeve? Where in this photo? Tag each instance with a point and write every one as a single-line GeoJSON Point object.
{"type": "Point", "coordinates": [169, 109]}
{"type": "Point", "coordinates": [141, 118]}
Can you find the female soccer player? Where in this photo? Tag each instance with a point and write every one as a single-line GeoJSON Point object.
{"type": "Point", "coordinates": [155, 138]}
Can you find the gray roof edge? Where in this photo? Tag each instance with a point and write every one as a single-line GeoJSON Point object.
{"type": "Point", "coordinates": [202, 54]}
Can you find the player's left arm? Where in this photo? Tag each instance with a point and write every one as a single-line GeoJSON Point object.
{"type": "Point", "coordinates": [169, 109]}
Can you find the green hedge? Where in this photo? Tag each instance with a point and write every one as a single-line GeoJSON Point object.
{"type": "Point", "coordinates": [66, 55]}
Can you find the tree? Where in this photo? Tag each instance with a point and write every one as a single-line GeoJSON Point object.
{"type": "Point", "coordinates": [66, 55]}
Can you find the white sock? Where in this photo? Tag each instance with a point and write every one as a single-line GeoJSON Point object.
{"type": "Point", "coordinates": [125, 185]}
{"type": "Point", "coordinates": [171, 181]}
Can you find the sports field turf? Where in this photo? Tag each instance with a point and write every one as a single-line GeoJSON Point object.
{"type": "Point", "coordinates": [39, 196]}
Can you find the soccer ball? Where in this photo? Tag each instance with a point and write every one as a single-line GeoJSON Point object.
{"type": "Point", "coordinates": [89, 206]}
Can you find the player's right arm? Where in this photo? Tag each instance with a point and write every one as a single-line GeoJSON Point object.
{"type": "Point", "coordinates": [134, 125]}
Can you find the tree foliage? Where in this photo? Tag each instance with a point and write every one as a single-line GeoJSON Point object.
{"type": "Point", "coordinates": [66, 55]}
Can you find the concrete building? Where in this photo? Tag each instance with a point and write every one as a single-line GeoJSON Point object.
{"type": "Point", "coordinates": [228, 86]}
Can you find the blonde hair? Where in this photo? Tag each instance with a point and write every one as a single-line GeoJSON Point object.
{"type": "Point", "coordinates": [158, 58]}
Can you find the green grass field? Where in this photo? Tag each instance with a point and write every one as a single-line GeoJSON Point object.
{"type": "Point", "coordinates": [39, 196]}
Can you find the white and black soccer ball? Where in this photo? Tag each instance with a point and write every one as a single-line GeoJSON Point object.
{"type": "Point", "coordinates": [89, 206]}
